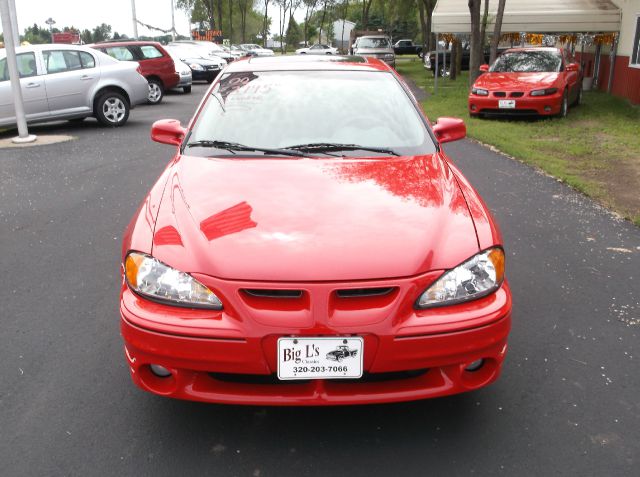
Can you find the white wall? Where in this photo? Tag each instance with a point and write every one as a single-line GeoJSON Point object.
{"type": "Point", "coordinates": [630, 11]}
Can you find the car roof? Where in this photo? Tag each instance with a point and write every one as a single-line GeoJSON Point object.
{"type": "Point", "coordinates": [49, 46]}
{"type": "Point", "coordinates": [125, 43]}
{"type": "Point", "coordinates": [306, 62]}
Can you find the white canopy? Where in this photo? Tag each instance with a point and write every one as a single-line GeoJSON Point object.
{"type": "Point", "coordinates": [539, 16]}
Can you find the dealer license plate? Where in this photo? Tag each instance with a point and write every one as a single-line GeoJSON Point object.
{"type": "Point", "coordinates": [507, 103]}
{"type": "Point", "coordinates": [320, 358]}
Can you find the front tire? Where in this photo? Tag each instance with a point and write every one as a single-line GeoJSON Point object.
{"type": "Point", "coordinates": [564, 106]}
{"type": "Point", "coordinates": [186, 89]}
{"type": "Point", "coordinates": [156, 91]}
{"type": "Point", "coordinates": [112, 109]}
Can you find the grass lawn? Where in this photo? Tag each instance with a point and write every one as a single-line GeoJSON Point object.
{"type": "Point", "coordinates": [596, 149]}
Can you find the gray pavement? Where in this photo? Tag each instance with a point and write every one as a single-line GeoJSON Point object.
{"type": "Point", "coordinates": [568, 402]}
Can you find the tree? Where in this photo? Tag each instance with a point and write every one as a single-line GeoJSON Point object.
{"type": "Point", "coordinates": [426, 14]}
{"type": "Point", "coordinates": [310, 7]}
{"type": "Point", "coordinates": [497, 32]}
{"type": "Point", "coordinates": [265, 23]}
{"type": "Point", "coordinates": [483, 28]}
{"type": "Point", "coordinates": [475, 57]}
{"type": "Point", "coordinates": [102, 32]}
{"type": "Point", "coordinates": [231, 21]}
{"type": "Point", "coordinates": [293, 33]}
{"type": "Point", "coordinates": [243, 6]}
{"type": "Point", "coordinates": [366, 6]}
{"type": "Point", "coordinates": [86, 36]}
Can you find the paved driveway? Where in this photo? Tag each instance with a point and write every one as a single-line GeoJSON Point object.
{"type": "Point", "coordinates": [568, 402]}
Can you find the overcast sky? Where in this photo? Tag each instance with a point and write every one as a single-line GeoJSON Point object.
{"type": "Point", "coordinates": [117, 13]}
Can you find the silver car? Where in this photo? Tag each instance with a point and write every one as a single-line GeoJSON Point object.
{"type": "Point", "coordinates": [377, 46]}
{"type": "Point", "coordinates": [71, 82]}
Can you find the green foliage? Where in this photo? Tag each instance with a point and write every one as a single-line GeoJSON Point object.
{"type": "Point", "coordinates": [205, 17]}
{"type": "Point", "coordinates": [101, 32]}
{"type": "Point", "coordinates": [35, 35]}
{"type": "Point", "coordinates": [294, 34]}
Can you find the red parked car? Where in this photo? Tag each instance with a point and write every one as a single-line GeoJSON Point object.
{"type": "Point", "coordinates": [310, 243]}
{"type": "Point", "coordinates": [155, 64]}
{"type": "Point", "coordinates": [527, 81]}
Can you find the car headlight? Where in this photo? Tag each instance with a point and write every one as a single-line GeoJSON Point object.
{"type": "Point", "coordinates": [151, 278]}
{"type": "Point", "coordinates": [196, 66]}
{"type": "Point", "coordinates": [480, 91]}
{"type": "Point", "coordinates": [477, 277]}
{"type": "Point", "coordinates": [544, 92]}
{"type": "Point", "coordinates": [388, 55]}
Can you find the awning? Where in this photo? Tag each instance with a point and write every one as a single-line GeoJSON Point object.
{"type": "Point", "coordinates": [539, 16]}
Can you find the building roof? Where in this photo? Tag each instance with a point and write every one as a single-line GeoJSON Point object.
{"type": "Point", "coordinates": [541, 16]}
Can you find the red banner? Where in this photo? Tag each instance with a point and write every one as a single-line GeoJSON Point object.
{"type": "Point", "coordinates": [66, 37]}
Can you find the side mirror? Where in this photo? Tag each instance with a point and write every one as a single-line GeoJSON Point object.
{"type": "Point", "coordinates": [449, 129]}
{"type": "Point", "coordinates": [573, 67]}
{"type": "Point", "coordinates": [168, 131]}
{"type": "Point", "coordinates": [484, 68]}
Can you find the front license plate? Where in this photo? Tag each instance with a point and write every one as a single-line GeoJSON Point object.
{"type": "Point", "coordinates": [320, 358]}
{"type": "Point", "coordinates": [507, 103]}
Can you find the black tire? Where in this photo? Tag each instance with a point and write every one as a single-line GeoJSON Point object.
{"type": "Point", "coordinates": [186, 89]}
{"type": "Point", "coordinates": [564, 106]}
{"type": "Point", "coordinates": [156, 91]}
{"type": "Point", "coordinates": [112, 109]}
{"type": "Point", "coordinates": [209, 80]}
{"type": "Point", "coordinates": [420, 55]}
{"type": "Point", "coordinates": [578, 99]}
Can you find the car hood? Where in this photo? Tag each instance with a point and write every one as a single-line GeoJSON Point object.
{"type": "Point", "coordinates": [373, 51]}
{"type": "Point", "coordinates": [201, 61]}
{"type": "Point", "coordinates": [516, 81]}
{"type": "Point", "coordinates": [312, 219]}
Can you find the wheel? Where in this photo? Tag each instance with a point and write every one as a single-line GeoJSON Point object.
{"type": "Point", "coordinates": [209, 80]}
{"type": "Point", "coordinates": [303, 53]}
{"type": "Point", "coordinates": [112, 109]}
{"type": "Point", "coordinates": [328, 53]}
{"type": "Point", "coordinates": [420, 55]}
{"type": "Point", "coordinates": [564, 106]}
{"type": "Point", "coordinates": [186, 89]}
{"type": "Point", "coordinates": [156, 91]}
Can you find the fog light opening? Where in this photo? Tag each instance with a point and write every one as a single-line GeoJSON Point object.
{"type": "Point", "coordinates": [547, 109]}
{"type": "Point", "coordinates": [160, 371]}
{"type": "Point", "coordinates": [473, 107]}
{"type": "Point", "coordinates": [475, 365]}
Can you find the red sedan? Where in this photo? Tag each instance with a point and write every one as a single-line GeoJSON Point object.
{"type": "Point", "coordinates": [527, 81]}
{"type": "Point", "coordinates": [311, 244]}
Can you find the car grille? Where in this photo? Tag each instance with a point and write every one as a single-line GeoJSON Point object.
{"type": "Point", "coordinates": [499, 94]}
{"type": "Point", "coordinates": [363, 292]}
{"type": "Point", "coordinates": [517, 94]}
{"type": "Point", "coordinates": [503, 94]}
{"type": "Point", "coordinates": [273, 378]}
{"type": "Point", "coordinates": [214, 67]}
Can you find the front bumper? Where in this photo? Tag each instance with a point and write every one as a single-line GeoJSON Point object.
{"type": "Point", "coordinates": [205, 75]}
{"type": "Point", "coordinates": [224, 357]}
{"type": "Point", "coordinates": [185, 80]}
{"type": "Point", "coordinates": [525, 105]}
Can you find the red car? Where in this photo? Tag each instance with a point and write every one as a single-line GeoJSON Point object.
{"type": "Point", "coordinates": [155, 64]}
{"type": "Point", "coordinates": [309, 209]}
{"type": "Point", "coordinates": [527, 81]}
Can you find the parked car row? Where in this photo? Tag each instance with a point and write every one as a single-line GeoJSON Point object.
{"type": "Point", "coordinates": [72, 82]}
{"type": "Point", "coordinates": [105, 80]}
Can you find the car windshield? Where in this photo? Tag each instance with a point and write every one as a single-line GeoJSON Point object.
{"type": "Point", "coordinates": [280, 109]}
{"type": "Point", "coordinates": [527, 62]}
{"type": "Point", "coordinates": [373, 43]}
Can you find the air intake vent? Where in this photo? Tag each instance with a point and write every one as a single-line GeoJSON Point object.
{"type": "Point", "coordinates": [262, 293]}
{"type": "Point", "coordinates": [363, 292]}
{"type": "Point", "coordinates": [500, 94]}
{"type": "Point", "coordinates": [517, 94]}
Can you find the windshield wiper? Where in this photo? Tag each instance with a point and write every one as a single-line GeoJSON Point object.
{"type": "Point", "coordinates": [330, 146]}
{"type": "Point", "coordinates": [234, 146]}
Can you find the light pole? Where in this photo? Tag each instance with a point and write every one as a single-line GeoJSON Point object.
{"type": "Point", "coordinates": [50, 21]}
{"type": "Point", "coordinates": [12, 64]}
{"type": "Point", "coordinates": [135, 20]}
{"type": "Point", "coordinates": [173, 23]}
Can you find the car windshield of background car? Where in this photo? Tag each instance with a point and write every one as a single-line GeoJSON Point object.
{"type": "Point", "coordinates": [373, 43]}
{"type": "Point", "coordinates": [527, 62]}
{"type": "Point", "coordinates": [278, 109]}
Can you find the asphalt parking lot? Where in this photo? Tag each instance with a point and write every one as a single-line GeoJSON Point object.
{"type": "Point", "coordinates": [568, 402]}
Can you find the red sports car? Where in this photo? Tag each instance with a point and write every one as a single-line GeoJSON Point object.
{"type": "Point", "coordinates": [527, 81]}
{"type": "Point", "coordinates": [309, 209]}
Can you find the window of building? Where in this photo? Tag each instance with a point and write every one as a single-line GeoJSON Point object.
{"type": "Point", "coordinates": [635, 52]}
